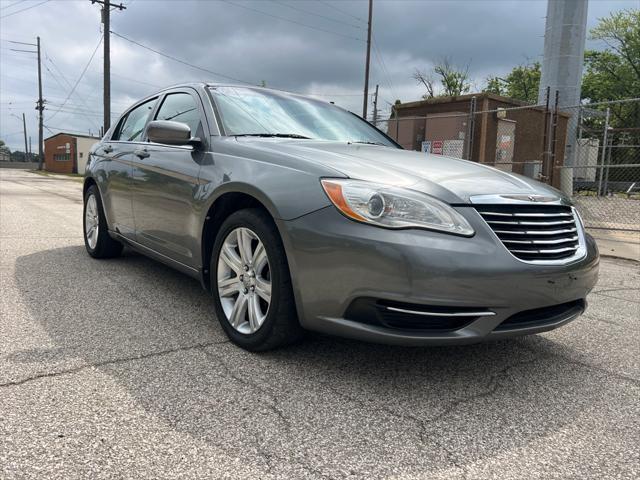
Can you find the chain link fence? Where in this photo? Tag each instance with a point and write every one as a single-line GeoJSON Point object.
{"type": "Point", "coordinates": [591, 152]}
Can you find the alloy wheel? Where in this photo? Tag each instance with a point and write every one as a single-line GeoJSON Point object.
{"type": "Point", "coordinates": [244, 280]}
{"type": "Point", "coordinates": [91, 221]}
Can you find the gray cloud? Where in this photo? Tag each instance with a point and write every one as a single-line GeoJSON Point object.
{"type": "Point", "coordinates": [491, 36]}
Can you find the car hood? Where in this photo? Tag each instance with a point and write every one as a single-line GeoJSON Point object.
{"type": "Point", "coordinates": [451, 179]}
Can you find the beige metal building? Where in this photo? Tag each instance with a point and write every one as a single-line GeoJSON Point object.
{"type": "Point", "coordinates": [67, 152]}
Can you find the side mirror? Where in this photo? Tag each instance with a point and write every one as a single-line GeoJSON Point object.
{"type": "Point", "coordinates": [170, 133]}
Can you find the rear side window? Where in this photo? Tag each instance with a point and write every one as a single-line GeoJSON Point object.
{"type": "Point", "coordinates": [180, 107]}
{"type": "Point", "coordinates": [132, 126]}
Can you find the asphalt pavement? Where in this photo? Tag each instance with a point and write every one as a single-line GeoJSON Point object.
{"type": "Point", "coordinates": [118, 369]}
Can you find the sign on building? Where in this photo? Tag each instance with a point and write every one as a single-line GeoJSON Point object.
{"type": "Point", "coordinates": [436, 147]}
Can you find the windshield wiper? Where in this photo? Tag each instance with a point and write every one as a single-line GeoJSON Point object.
{"type": "Point", "coordinates": [368, 143]}
{"type": "Point", "coordinates": [277, 135]}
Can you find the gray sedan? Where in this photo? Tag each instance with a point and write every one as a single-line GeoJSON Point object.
{"type": "Point", "coordinates": [297, 215]}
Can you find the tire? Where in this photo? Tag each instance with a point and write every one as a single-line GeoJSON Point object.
{"type": "Point", "coordinates": [98, 244]}
{"type": "Point", "coordinates": [261, 325]}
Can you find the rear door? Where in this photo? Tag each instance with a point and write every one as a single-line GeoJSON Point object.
{"type": "Point", "coordinates": [116, 153]}
{"type": "Point", "coordinates": [165, 182]}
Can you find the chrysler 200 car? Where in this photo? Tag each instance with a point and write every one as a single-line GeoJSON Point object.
{"type": "Point", "coordinates": [298, 215]}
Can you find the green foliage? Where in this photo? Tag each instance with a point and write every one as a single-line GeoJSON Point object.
{"type": "Point", "coordinates": [495, 85]}
{"type": "Point", "coordinates": [614, 73]}
{"type": "Point", "coordinates": [3, 148]}
{"type": "Point", "coordinates": [522, 83]}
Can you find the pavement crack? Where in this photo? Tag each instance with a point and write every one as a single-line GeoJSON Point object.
{"type": "Point", "coordinates": [615, 297]}
{"type": "Point", "coordinates": [273, 405]}
{"type": "Point", "coordinates": [622, 289]}
{"type": "Point", "coordinates": [114, 361]}
{"type": "Point", "coordinates": [589, 366]}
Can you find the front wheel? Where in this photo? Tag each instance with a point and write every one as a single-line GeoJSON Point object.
{"type": "Point", "coordinates": [97, 240]}
{"type": "Point", "coordinates": [251, 283]}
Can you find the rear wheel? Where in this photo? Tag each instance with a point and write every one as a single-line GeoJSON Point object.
{"type": "Point", "coordinates": [97, 240]}
{"type": "Point", "coordinates": [251, 283]}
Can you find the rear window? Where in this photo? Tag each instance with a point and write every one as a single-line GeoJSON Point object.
{"type": "Point", "coordinates": [132, 125]}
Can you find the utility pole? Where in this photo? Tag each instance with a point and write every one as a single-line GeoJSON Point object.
{"type": "Point", "coordinates": [375, 108]}
{"type": "Point", "coordinates": [24, 126]}
{"type": "Point", "coordinates": [106, 21]}
{"type": "Point", "coordinates": [365, 100]}
{"type": "Point", "coordinates": [40, 102]}
{"type": "Point", "coordinates": [30, 152]}
{"type": "Point", "coordinates": [40, 109]}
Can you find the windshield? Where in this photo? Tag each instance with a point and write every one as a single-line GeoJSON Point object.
{"type": "Point", "coordinates": [247, 111]}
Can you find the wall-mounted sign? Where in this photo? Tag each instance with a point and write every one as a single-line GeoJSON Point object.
{"type": "Point", "coordinates": [426, 146]}
{"type": "Point", "coordinates": [436, 147]}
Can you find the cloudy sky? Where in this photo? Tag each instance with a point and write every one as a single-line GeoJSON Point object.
{"type": "Point", "coordinates": [308, 46]}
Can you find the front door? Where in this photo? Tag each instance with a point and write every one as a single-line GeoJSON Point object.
{"type": "Point", "coordinates": [164, 185]}
{"type": "Point", "coordinates": [117, 152]}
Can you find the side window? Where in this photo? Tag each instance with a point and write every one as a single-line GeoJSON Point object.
{"type": "Point", "coordinates": [180, 107]}
{"type": "Point", "coordinates": [132, 126]}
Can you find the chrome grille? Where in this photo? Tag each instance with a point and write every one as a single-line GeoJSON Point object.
{"type": "Point", "coordinates": [534, 232]}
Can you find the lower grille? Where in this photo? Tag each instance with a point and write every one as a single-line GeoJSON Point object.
{"type": "Point", "coordinates": [407, 316]}
{"type": "Point", "coordinates": [542, 316]}
{"type": "Point", "coordinates": [534, 232]}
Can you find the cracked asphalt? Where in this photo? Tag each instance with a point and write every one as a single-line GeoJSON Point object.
{"type": "Point", "coordinates": [117, 369]}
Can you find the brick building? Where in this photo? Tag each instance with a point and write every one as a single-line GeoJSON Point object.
{"type": "Point", "coordinates": [501, 133]}
{"type": "Point", "coordinates": [67, 153]}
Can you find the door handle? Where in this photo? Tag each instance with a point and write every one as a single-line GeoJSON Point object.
{"type": "Point", "coordinates": [142, 153]}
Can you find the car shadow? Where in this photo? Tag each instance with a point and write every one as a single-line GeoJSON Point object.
{"type": "Point", "coordinates": [307, 409]}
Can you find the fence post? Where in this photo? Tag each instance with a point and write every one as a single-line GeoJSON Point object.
{"type": "Point", "coordinates": [604, 150]}
{"type": "Point", "coordinates": [470, 128]}
{"type": "Point", "coordinates": [605, 187]}
{"type": "Point", "coordinates": [545, 159]}
{"type": "Point", "coordinates": [552, 141]}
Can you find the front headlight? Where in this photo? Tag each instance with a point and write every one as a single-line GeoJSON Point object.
{"type": "Point", "coordinates": [393, 207]}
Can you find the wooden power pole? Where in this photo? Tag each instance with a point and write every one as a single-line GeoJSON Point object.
{"type": "Point", "coordinates": [375, 107]}
{"type": "Point", "coordinates": [39, 103]}
{"type": "Point", "coordinates": [40, 109]}
{"type": "Point", "coordinates": [24, 126]}
{"type": "Point", "coordinates": [365, 100]}
{"type": "Point", "coordinates": [106, 21]}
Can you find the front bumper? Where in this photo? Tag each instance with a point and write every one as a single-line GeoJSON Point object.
{"type": "Point", "coordinates": [335, 261]}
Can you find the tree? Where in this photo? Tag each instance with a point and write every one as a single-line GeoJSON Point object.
{"type": "Point", "coordinates": [614, 73]}
{"type": "Point", "coordinates": [522, 83]}
{"type": "Point", "coordinates": [4, 150]}
{"type": "Point", "coordinates": [454, 81]}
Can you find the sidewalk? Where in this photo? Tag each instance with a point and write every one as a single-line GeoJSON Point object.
{"type": "Point", "coordinates": [616, 243]}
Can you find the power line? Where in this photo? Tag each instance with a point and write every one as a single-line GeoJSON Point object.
{"type": "Point", "coordinates": [12, 4]}
{"type": "Point", "coordinates": [23, 9]}
{"type": "Point", "coordinates": [341, 11]}
{"type": "Point", "coordinates": [66, 91]}
{"type": "Point", "coordinates": [135, 81]}
{"type": "Point", "coordinates": [80, 77]}
{"type": "Point", "coordinates": [292, 21]}
{"type": "Point", "coordinates": [383, 68]}
{"type": "Point", "coordinates": [77, 94]}
{"type": "Point", "coordinates": [175, 59]}
{"type": "Point", "coordinates": [308, 12]}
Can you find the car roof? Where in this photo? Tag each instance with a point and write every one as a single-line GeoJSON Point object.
{"type": "Point", "coordinates": [204, 84]}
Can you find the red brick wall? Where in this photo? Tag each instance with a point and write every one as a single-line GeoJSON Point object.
{"type": "Point", "coordinates": [55, 150]}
